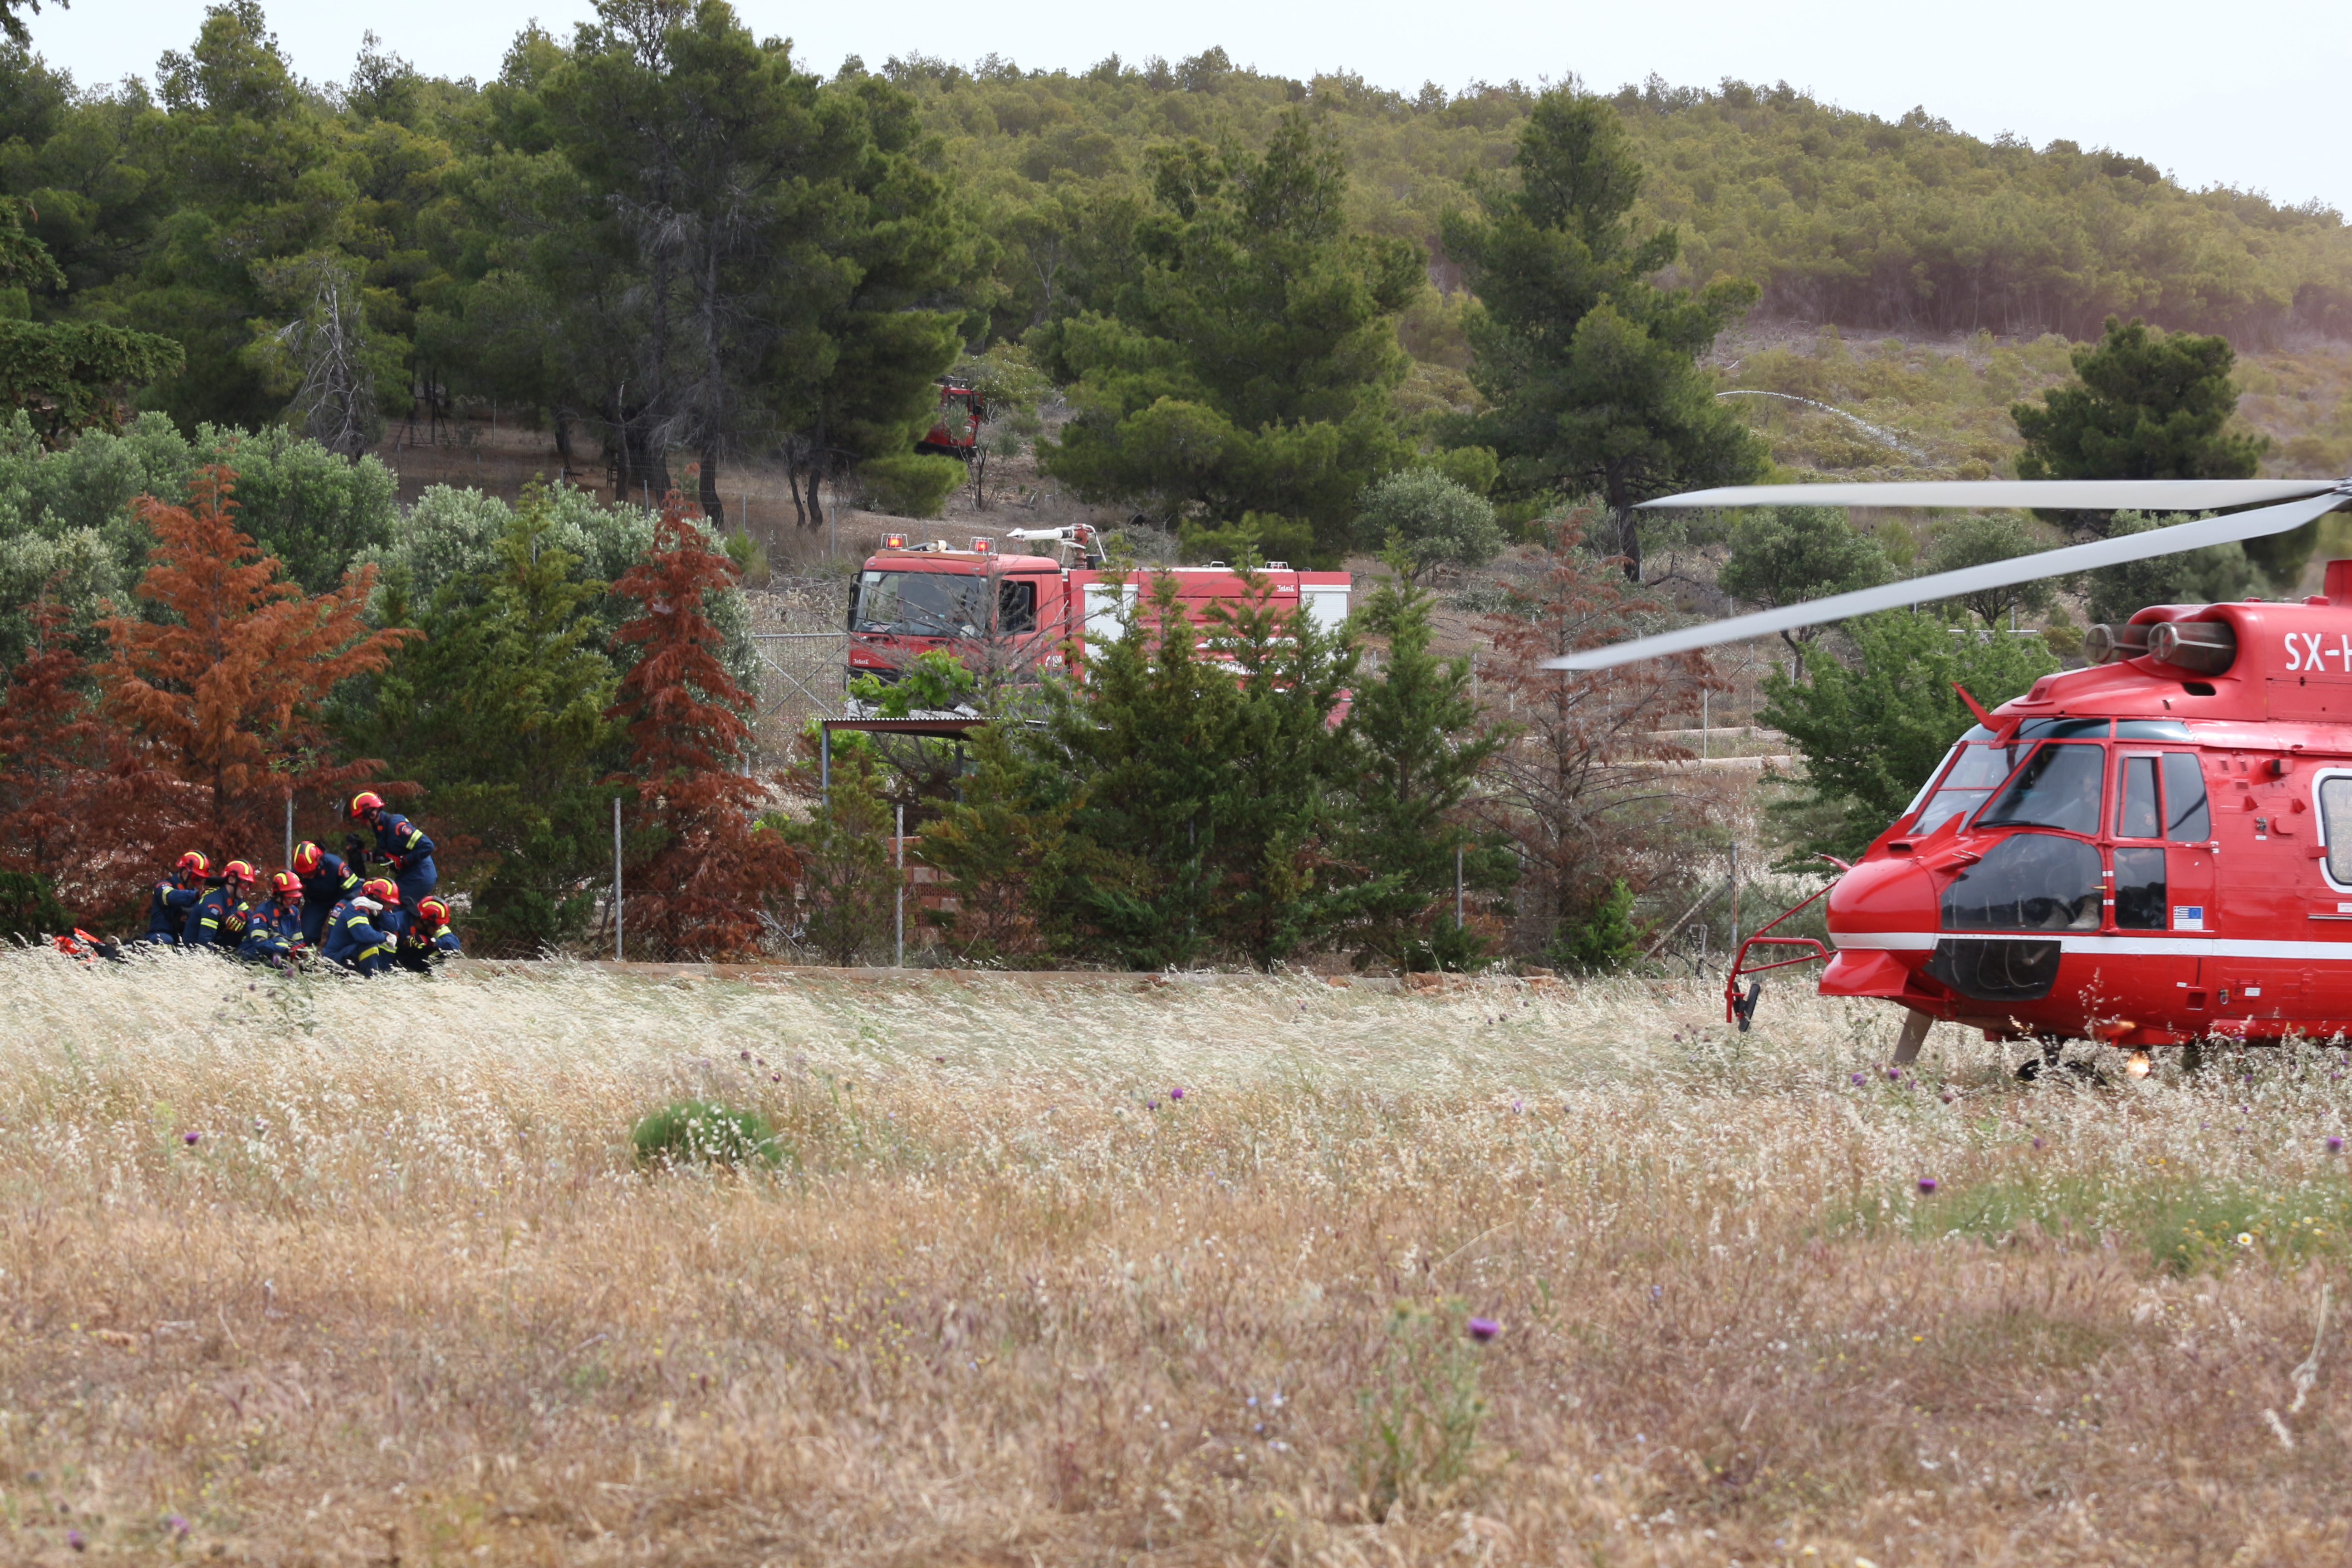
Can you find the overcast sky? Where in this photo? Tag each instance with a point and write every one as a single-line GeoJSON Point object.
{"type": "Point", "coordinates": [2213, 93]}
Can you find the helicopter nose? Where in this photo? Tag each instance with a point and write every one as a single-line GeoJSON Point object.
{"type": "Point", "coordinates": [1891, 895]}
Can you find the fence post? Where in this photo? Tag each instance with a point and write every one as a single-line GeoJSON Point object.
{"type": "Point", "coordinates": [290, 829]}
{"type": "Point", "coordinates": [823, 763]}
{"type": "Point", "coordinates": [1458, 887]}
{"type": "Point", "coordinates": [616, 879]}
{"type": "Point", "coordinates": [902, 886]}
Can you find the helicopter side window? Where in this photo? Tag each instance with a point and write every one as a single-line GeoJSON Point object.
{"type": "Point", "coordinates": [2059, 786]}
{"type": "Point", "coordinates": [2028, 881]}
{"type": "Point", "coordinates": [2136, 815]}
{"type": "Point", "coordinates": [2188, 819]}
{"type": "Point", "coordinates": [2139, 888]}
{"type": "Point", "coordinates": [2335, 819]}
{"type": "Point", "coordinates": [1977, 772]}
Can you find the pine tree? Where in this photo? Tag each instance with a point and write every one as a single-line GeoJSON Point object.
{"type": "Point", "coordinates": [998, 848]}
{"type": "Point", "coordinates": [1589, 363]}
{"type": "Point", "coordinates": [1248, 362]}
{"type": "Point", "coordinates": [498, 713]}
{"type": "Point", "coordinates": [1144, 744]}
{"type": "Point", "coordinates": [231, 689]}
{"type": "Point", "coordinates": [705, 868]}
{"type": "Point", "coordinates": [1274, 812]}
{"type": "Point", "coordinates": [1413, 754]}
{"type": "Point", "coordinates": [1200, 768]}
{"type": "Point", "coordinates": [846, 884]}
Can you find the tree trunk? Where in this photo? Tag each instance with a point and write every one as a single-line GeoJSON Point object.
{"type": "Point", "coordinates": [1629, 540]}
{"type": "Point", "coordinates": [815, 500]}
{"type": "Point", "coordinates": [562, 419]}
{"type": "Point", "coordinates": [712, 507]}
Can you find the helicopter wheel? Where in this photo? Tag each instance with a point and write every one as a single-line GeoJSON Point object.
{"type": "Point", "coordinates": [2034, 1066]}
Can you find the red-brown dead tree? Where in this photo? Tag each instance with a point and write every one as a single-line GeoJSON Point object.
{"type": "Point", "coordinates": [705, 869]}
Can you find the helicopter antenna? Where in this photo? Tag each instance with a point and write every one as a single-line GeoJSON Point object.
{"type": "Point", "coordinates": [2297, 502]}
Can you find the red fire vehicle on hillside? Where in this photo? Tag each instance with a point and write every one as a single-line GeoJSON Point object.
{"type": "Point", "coordinates": [912, 597]}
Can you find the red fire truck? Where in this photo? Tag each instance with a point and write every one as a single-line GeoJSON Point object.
{"type": "Point", "coordinates": [913, 597]}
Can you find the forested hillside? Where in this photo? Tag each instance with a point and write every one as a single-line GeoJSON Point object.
{"type": "Point", "coordinates": [1842, 217]}
{"type": "Point", "coordinates": [217, 205]}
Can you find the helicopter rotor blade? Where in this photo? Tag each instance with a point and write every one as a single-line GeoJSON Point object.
{"type": "Point", "coordinates": [2046, 495]}
{"type": "Point", "coordinates": [2143, 546]}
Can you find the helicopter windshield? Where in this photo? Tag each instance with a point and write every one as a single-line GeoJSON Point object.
{"type": "Point", "coordinates": [2059, 786]}
{"type": "Point", "coordinates": [1977, 770]}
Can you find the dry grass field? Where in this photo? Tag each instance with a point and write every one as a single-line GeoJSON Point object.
{"type": "Point", "coordinates": [324, 1272]}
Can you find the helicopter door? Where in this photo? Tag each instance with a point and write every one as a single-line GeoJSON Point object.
{"type": "Point", "coordinates": [2163, 864]}
{"type": "Point", "coordinates": [2188, 854]}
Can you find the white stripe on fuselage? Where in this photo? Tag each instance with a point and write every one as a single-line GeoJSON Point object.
{"type": "Point", "coordinates": [2141, 946]}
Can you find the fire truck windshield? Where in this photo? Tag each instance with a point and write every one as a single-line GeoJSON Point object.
{"type": "Point", "coordinates": [920, 603]}
{"type": "Point", "coordinates": [2059, 786]}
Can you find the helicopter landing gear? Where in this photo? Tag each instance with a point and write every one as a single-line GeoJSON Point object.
{"type": "Point", "coordinates": [1916, 1025]}
{"type": "Point", "coordinates": [2033, 1067]}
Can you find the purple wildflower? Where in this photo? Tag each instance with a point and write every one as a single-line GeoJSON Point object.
{"type": "Point", "coordinates": [1895, 1075]}
{"type": "Point", "coordinates": [2037, 1142]}
{"type": "Point", "coordinates": [1514, 1108]}
{"type": "Point", "coordinates": [74, 1539]}
{"type": "Point", "coordinates": [175, 1524]}
{"type": "Point", "coordinates": [1857, 1081]}
{"type": "Point", "coordinates": [1176, 1093]}
{"type": "Point", "coordinates": [190, 1137]}
{"type": "Point", "coordinates": [1927, 1184]}
{"type": "Point", "coordinates": [1484, 1328]}
{"type": "Point", "coordinates": [2335, 1145]}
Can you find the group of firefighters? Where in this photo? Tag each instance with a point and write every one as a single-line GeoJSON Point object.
{"type": "Point", "coordinates": [326, 903]}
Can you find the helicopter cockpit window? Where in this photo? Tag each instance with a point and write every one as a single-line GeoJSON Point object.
{"type": "Point", "coordinates": [2187, 819]}
{"type": "Point", "coordinates": [2137, 815]}
{"type": "Point", "coordinates": [2336, 821]}
{"type": "Point", "coordinates": [2059, 787]}
{"type": "Point", "coordinates": [2028, 881]}
{"type": "Point", "coordinates": [1973, 776]}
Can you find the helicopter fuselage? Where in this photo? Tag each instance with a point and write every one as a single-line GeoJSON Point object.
{"type": "Point", "coordinates": [2151, 851]}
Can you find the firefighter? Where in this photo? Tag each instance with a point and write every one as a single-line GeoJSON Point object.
{"type": "Point", "coordinates": [399, 845]}
{"type": "Point", "coordinates": [354, 939]}
{"type": "Point", "coordinates": [211, 918]}
{"type": "Point", "coordinates": [328, 879]}
{"type": "Point", "coordinates": [168, 906]}
{"type": "Point", "coordinates": [273, 930]}
{"type": "Point", "coordinates": [426, 940]}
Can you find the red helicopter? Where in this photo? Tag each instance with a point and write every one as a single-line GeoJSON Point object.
{"type": "Point", "coordinates": [2156, 850]}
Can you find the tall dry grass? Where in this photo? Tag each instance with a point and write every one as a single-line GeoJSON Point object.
{"type": "Point", "coordinates": [361, 1272]}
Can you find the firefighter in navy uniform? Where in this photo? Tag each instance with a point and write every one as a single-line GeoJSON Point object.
{"type": "Point", "coordinates": [168, 906]}
{"type": "Point", "coordinates": [426, 939]}
{"type": "Point", "coordinates": [354, 939]}
{"type": "Point", "coordinates": [273, 928]}
{"type": "Point", "coordinates": [326, 880]}
{"type": "Point", "coordinates": [212, 918]}
{"type": "Point", "coordinates": [399, 845]}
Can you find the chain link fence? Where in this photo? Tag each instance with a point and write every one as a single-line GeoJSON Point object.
{"type": "Point", "coordinates": [799, 633]}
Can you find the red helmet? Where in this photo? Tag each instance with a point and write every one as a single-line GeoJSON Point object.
{"type": "Point", "coordinates": [240, 871]}
{"type": "Point", "coordinates": [306, 857]}
{"type": "Point", "coordinates": [365, 802]}
{"type": "Point", "coordinates": [286, 885]}
{"type": "Point", "coordinates": [382, 891]}
{"type": "Point", "coordinates": [433, 909]}
{"type": "Point", "coordinates": [193, 864]}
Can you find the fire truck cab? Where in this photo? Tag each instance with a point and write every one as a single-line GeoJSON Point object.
{"type": "Point", "coordinates": [911, 598]}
